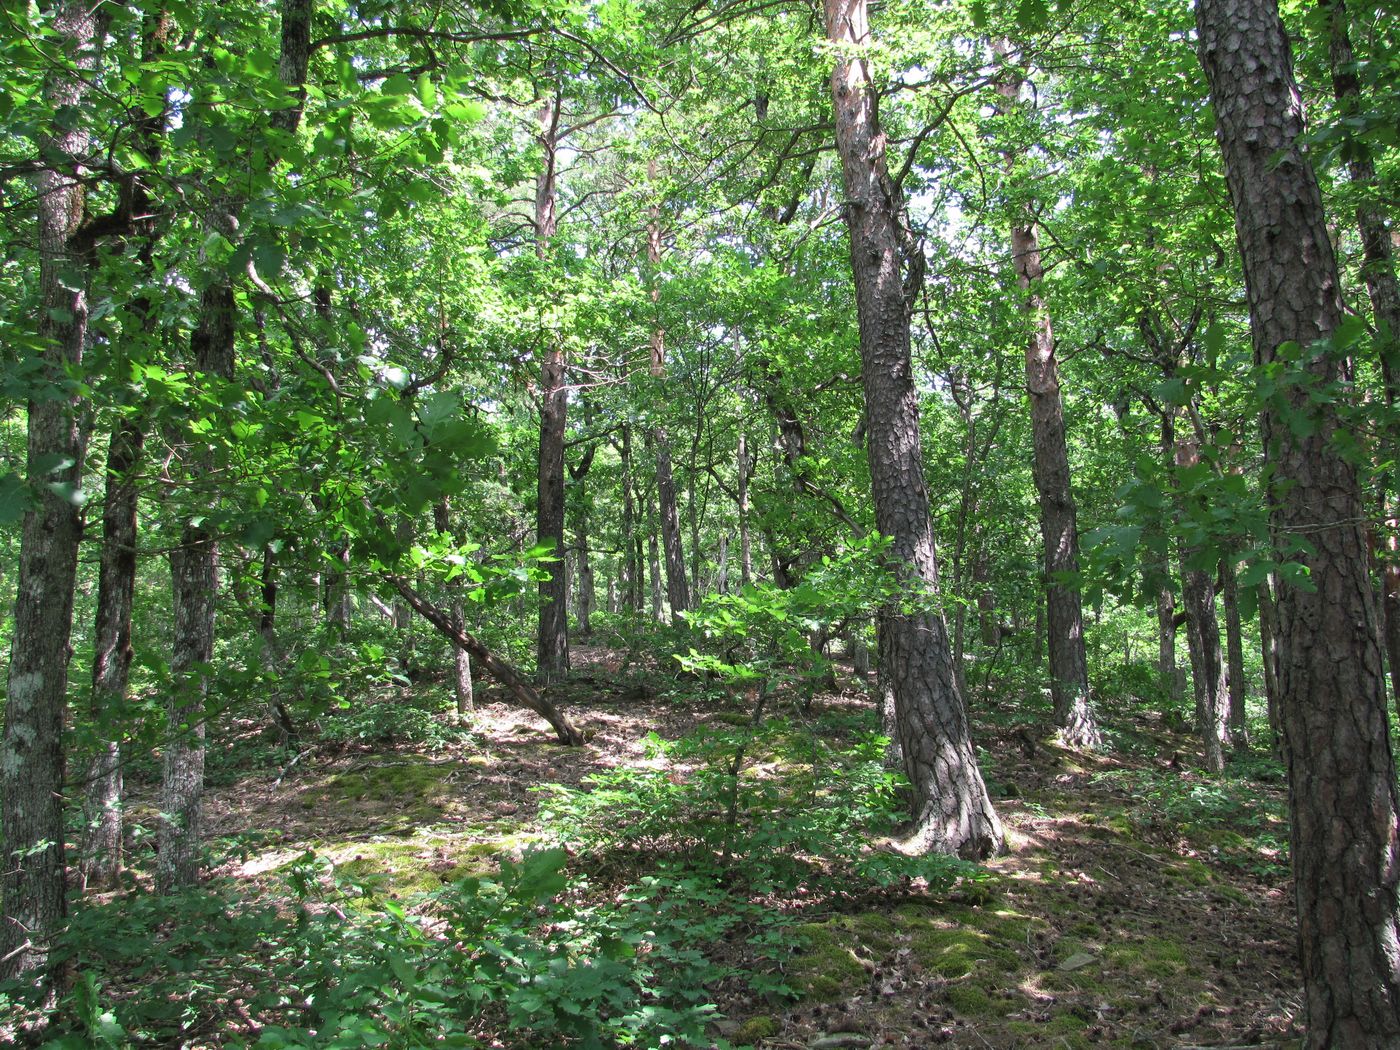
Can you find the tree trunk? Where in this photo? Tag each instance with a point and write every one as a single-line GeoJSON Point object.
{"type": "Point", "coordinates": [554, 402]}
{"type": "Point", "coordinates": [116, 587]}
{"type": "Point", "coordinates": [1234, 649]}
{"type": "Point", "coordinates": [32, 876]}
{"type": "Point", "coordinates": [953, 813]}
{"type": "Point", "coordinates": [745, 538]}
{"type": "Point", "coordinates": [1166, 642]}
{"type": "Point", "coordinates": [1378, 254]}
{"type": "Point", "coordinates": [1332, 696]}
{"type": "Point", "coordinates": [677, 589]}
{"type": "Point", "coordinates": [1203, 641]}
{"type": "Point", "coordinates": [1059, 530]}
{"type": "Point", "coordinates": [632, 583]}
{"type": "Point", "coordinates": [461, 659]}
{"type": "Point", "coordinates": [653, 558]}
{"type": "Point", "coordinates": [1268, 655]}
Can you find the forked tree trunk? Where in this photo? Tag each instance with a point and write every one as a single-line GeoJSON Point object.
{"type": "Point", "coordinates": [1059, 530]}
{"type": "Point", "coordinates": [553, 648]}
{"type": "Point", "coordinates": [1343, 802]}
{"type": "Point", "coordinates": [952, 811]}
{"type": "Point", "coordinates": [32, 875]}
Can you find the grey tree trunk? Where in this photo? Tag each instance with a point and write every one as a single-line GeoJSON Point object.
{"type": "Point", "coordinates": [1059, 529]}
{"type": "Point", "coordinates": [653, 558]}
{"type": "Point", "coordinates": [116, 586]}
{"type": "Point", "coordinates": [1343, 803]}
{"type": "Point", "coordinates": [1268, 656]}
{"type": "Point", "coordinates": [32, 877]}
{"type": "Point", "coordinates": [462, 685]}
{"type": "Point", "coordinates": [952, 810]}
{"type": "Point", "coordinates": [745, 537]}
{"type": "Point", "coordinates": [553, 649]}
{"type": "Point", "coordinates": [1166, 642]}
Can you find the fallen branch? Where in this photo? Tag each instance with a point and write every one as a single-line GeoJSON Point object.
{"type": "Point", "coordinates": [497, 668]}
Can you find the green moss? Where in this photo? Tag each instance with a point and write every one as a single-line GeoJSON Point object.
{"type": "Point", "coordinates": [824, 968]}
{"type": "Point", "coordinates": [407, 792]}
{"type": "Point", "coordinates": [970, 1001]}
{"type": "Point", "coordinates": [1156, 957]}
{"type": "Point", "coordinates": [756, 1028]}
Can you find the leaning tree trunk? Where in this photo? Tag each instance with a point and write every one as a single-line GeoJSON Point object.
{"type": "Point", "coordinates": [32, 876]}
{"type": "Point", "coordinates": [1059, 530]}
{"type": "Point", "coordinates": [953, 813]}
{"type": "Point", "coordinates": [553, 649]}
{"type": "Point", "coordinates": [116, 588]}
{"type": "Point", "coordinates": [1378, 254]}
{"type": "Point", "coordinates": [1343, 802]}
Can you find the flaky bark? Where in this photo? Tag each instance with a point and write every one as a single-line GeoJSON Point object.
{"type": "Point", "coordinates": [1343, 802]}
{"type": "Point", "coordinates": [553, 649]}
{"type": "Point", "coordinates": [32, 875]}
{"type": "Point", "coordinates": [1059, 529]}
{"type": "Point", "coordinates": [953, 813]}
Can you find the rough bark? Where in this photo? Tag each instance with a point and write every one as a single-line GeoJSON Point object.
{"type": "Point", "coordinates": [1378, 271]}
{"type": "Point", "coordinates": [952, 811]}
{"type": "Point", "coordinates": [1059, 529]}
{"type": "Point", "coordinates": [1332, 695]}
{"type": "Point", "coordinates": [116, 586]}
{"type": "Point", "coordinates": [32, 877]}
{"type": "Point", "coordinates": [497, 668]}
{"type": "Point", "coordinates": [553, 649]}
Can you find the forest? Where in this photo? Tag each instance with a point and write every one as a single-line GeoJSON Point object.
{"type": "Point", "coordinates": [732, 523]}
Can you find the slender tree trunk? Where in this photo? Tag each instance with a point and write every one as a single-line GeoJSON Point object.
{"type": "Point", "coordinates": [554, 594]}
{"type": "Point", "coordinates": [631, 539]}
{"type": "Point", "coordinates": [1059, 530]}
{"type": "Point", "coordinates": [653, 558]}
{"type": "Point", "coordinates": [1166, 642]}
{"type": "Point", "coordinates": [116, 587]}
{"type": "Point", "coordinates": [1268, 646]}
{"type": "Point", "coordinates": [677, 589]}
{"type": "Point", "coordinates": [1343, 801]}
{"type": "Point", "coordinates": [745, 538]}
{"type": "Point", "coordinates": [1203, 641]}
{"type": "Point", "coordinates": [1234, 649]}
{"type": "Point", "coordinates": [953, 813]}
{"type": "Point", "coordinates": [1378, 254]}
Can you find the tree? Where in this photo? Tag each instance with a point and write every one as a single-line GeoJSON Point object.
{"type": "Point", "coordinates": [31, 756]}
{"type": "Point", "coordinates": [953, 812]}
{"type": "Point", "coordinates": [1343, 803]}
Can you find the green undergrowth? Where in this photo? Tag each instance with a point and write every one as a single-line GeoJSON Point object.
{"type": "Point", "coordinates": [398, 791]}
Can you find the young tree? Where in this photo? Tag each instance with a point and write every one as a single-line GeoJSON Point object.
{"type": "Point", "coordinates": [1343, 802]}
{"type": "Point", "coordinates": [953, 811]}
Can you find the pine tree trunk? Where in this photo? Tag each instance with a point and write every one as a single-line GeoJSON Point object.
{"type": "Point", "coordinates": [1059, 529]}
{"type": "Point", "coordinates": [32, 877]}
{"type": "Point", "coordinates": [553, 649]}
{"type": "Point", "coordinates": [953, 813]}
{"type": "Point", "coordinates": [1332, 694]}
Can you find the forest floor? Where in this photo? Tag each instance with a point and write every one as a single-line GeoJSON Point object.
{"type": "Point", "coordinates": [1141, 904]}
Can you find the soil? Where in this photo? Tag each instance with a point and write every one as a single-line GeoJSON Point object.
{"type": "Point", "coordinates": [1114, 918]}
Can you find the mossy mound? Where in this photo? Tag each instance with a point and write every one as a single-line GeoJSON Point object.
{"type": "Point", "coordinates": [398, 868]}
{"type": "Point", "coordinates": [407, 792]}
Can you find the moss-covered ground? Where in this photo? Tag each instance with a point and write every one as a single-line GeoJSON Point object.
{"type": "Point", "coordinates": [1141, 904]}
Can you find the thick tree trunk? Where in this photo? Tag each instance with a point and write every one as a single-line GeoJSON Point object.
{"type": "Point", "coordinates": [32, 877]}
{"type": "Point", "coordinates": [1059, 530]}
{"type": "Point", "coordinates": [953, 813]}
{"type": "Point", "coordinates": [116, 587]}
{"type": "Point", "coordinates": [1378, 254]}
{"type": "Point", "coordinates": [1234, 650]}
{"type": "Point", "coordinates": [1332, 694]}
{"type": "Point", "coordinates": [553, 650]}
